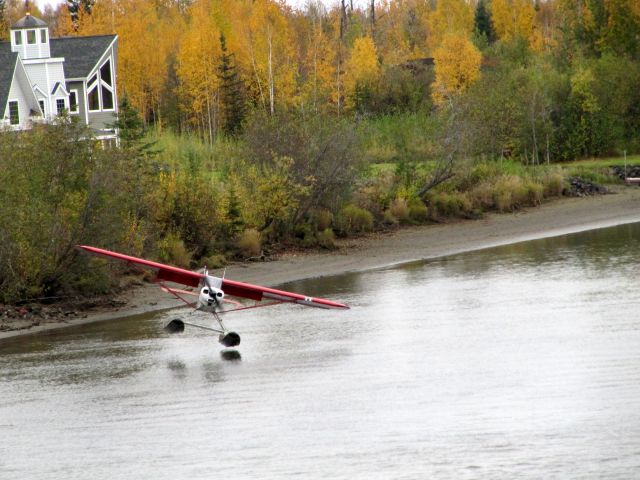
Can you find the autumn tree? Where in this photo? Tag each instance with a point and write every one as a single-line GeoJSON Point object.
{"type": "Point", "coordinates": [141, 30]}
{"type": "Point", "coordinates": [63, 25]}
{"type": "Point", "coordinates": [197, 71]}
{"type": "Point", "coordinates": [4, 23]}
{"type": "Point", "coordinates": [515, 19]}
{"type": "Point", "coordinates": [318, 65]}
{"type": "Point", "coordinates": [450, 17]}
{"type": "Point", "coordinates": [394, 32]}
{"type": "Point", "coordinates": [266, 41]}
{"type": "Point", "coordinates": [457, 65]}
{"type": "Point", "coordinates": [362, 71]}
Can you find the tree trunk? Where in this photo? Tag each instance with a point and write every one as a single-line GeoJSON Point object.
{"type": "Point", "coordinates": [373, 18]}
{"type": "Point", "coordinates": [271, 79]}
{"type": "Point", "coordinates": [343, 20]}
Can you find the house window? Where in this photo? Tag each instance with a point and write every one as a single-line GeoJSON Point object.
{"type": "Point", "coordinates": [41, 103]}
{"type": "Point", "coordinates": [31, 37]}
{"type": "Point", "coordinates": [100, 89]}
{"type": "Point", "coordinates": [14, 113]}
{"type": "Point", "coordinates": [107, 98]}
{"type": "Point", "coordinates": [105, 73]}
{"type": "Point", "coordinates": [17, 35]}
{"type": "Point", "coordinates": [60, 105]}
{"type": "Point", "coordinates": [94, 99]}
{"type": "Point", "coordinates": [43, 35]}
{"type": "Point", "coordinates": [73, 101]}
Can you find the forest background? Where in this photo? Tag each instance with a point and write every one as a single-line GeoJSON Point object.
{"type": "Point", "coordinates": [247, 126]}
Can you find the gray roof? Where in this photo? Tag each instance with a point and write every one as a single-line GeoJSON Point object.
{"type": "Point", "coordinates": [7, 66]}
{"type": "Point", "coordinates": [80, 54]}
{"type": "Point", "coordinates": [28, 21]}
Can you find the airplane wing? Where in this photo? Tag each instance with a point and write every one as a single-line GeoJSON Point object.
{"type": "Point", "coordinates": [164, 272]}
{"type": "Point", "coordinates": [256, 292]}
{"type": "Point", "coordinates": [230, 287]}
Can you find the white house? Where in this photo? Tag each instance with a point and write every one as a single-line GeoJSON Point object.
{"type": "Point", "coordinates": [40, 77]}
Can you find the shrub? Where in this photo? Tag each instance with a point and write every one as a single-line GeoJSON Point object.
{"type": "Point", "coordinates": [249, 244]}
{"type": "Point", "coordinates": [482, 196]}
{"type": "Point", "coordinates": [352, 219]}
{"type": "Point", "coordinates": [418, 211]}
{"type": "Point", "coordinates": [171, 249]}
{"type": "Point", "coordinates": [509, 193]}
{"type": "Point", "coordinates": [322, 218]}
{"type": "Point", "coordinates": [213, 261]}
{"type": "Point", "coordinates": [326, 239]}
{"type": "Point", "coordinates": [374, 194]}
{"type": "Point", "coordinates": [480, 172]}
{"type": "Point", "coordinates": [552, 184]}
{"type": "Point", "coordinates": [400, 210]}
{"type": "Point", "coordinates": [454, 204]}
{"type": "Point", "coordinates": [534, 192]}
{"type": "Point", "coordinates": [389, 218]}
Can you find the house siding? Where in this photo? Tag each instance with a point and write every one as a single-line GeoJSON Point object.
{"type": "Point", "coordinates": [17, 93]}
{"type": "Point", "coordinates": [82, 104]}
{"type": "Point", "coordinates": [38, 76]}
{"type": "Point", "coordinates": [45, 76]}
{"type": "Point", "coordinates": [101, 120]}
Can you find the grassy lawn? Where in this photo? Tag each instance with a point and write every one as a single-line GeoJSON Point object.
{"type": "Point", "coordinates": [604, 162]}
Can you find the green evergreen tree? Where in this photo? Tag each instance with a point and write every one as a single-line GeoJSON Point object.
{"type": "Point", "coordinates": [234, 107]}
{"type": "Point", "coordinates": [131, 129]}
{"type": "Point", "coordinates": [235, 222]}
{"type": "Point", "coordinates": [483, 23]}
{"type": "Point", "coordinates": [75, 6]}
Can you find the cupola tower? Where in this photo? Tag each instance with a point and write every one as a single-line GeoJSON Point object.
{"type": "Point", "coordinates": [30, 38]}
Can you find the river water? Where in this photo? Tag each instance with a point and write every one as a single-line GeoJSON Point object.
{"type": "Point", "coordinates": [514, 362]}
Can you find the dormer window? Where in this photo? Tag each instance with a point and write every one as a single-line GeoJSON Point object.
{"type": "Point", "coordinates": [43, 35]}
{"type": "Point", "coordinates": [17, 35]}
{"type": "Point", "coordinates": [60, 106]}
{"type": "Point", "coordinates": [31, 37]}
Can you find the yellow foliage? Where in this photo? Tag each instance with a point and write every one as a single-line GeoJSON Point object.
{"type": "Point", "coordinates": [515, 18]}
{"type": "Point", "coordinates": [266, 45]}
{"type": "Point", "coordinates": [457, 65]}
{"type": "Point", "coordinates": [449, 18]}
{"type": "Point", "coordinates": [144, 44]}
{"type": "Point", "coordinates": [63, 26]}
{"type": "Point", "coordinates": [197, 66]}
{"type": "Point", "coordinates": [363, 67]}
{"type": "Point", "coordinates": [582, 89]}
{"type": "Point", "coordinates": [395, 18]}
{"type": "Point", "coordinates": [319, 63]}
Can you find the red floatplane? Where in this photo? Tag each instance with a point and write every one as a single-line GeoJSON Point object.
{"type": "Point", "coordinates": [212, 292]}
